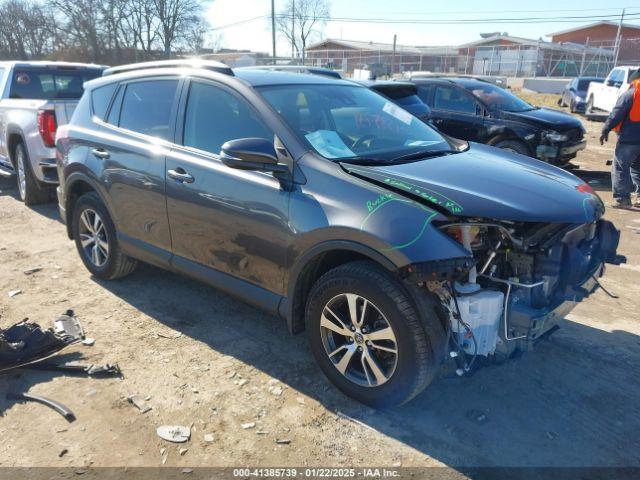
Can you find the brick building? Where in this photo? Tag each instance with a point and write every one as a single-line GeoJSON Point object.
{"type": "Point", "coordinates": [603, 34]}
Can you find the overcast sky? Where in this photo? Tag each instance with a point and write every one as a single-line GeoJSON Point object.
{"type": "Point", "coordinates": [256, 35]}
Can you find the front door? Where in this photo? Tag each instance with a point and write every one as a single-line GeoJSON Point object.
{"type": "Point", "coordinates": [455, 112]}
{"type": "Point", "coordinates": [228, 220]}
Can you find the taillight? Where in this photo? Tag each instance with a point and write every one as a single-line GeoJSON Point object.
{"type": "Point", "coordinates": [585, 188]}
{"type": "Point", "coordinates": [47, 126]}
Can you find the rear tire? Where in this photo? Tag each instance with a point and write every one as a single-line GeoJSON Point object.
{"type": "Point", "coordinates": [96, 240]}
{"type": "Point", "coordinates": [515, 146]}
{"type": "Point", "coordinates": [31, 191]}
{"type": "Point", "coordinates": [391, 323]}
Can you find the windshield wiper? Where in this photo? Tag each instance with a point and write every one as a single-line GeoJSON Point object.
{"type": "Point", "coordinates": [364, 161]}
{"type": "Point", "coordinates": [423, 154]}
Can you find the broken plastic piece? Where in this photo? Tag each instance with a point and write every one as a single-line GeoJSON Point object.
{"type": "Point", "coordinates": [68, 324]}
{"type": "Point", "coordinates": [174, 433]}
{"type": "Point", "coordinates": [106, 370]}
{"type": "Point", "coordinates": [57, 406]}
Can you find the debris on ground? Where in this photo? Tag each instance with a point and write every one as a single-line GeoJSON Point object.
{"type": "Point", "coordinates": [248, 425]}
{"type": "Point", "coordinates": [139, 403]}
{"type": "Point", "coordinates": [63, 452]}
{"type": "Point", "coordinates": [174, 433]}
{"type": "Point", "coordinates": [32, 270]}
{"type": "Point", "coordinates": [208, 437]}
{"type": "Point", "coordinates": [183, 451]}
{"type": "Point", "coordinates": [57, 406]}
{"type": "Point", "coordinates": [89, 342]}
{"type": "Point", "coordinates": [13, 293]}
{"type": "Point", "coordinates": [283, 441]}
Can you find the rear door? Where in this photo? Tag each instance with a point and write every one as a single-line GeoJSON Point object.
{"type": "Point", "coordinates": [223, 219]}
{"type": "Point", "coordinates": [130, 154]}
{"type": "Point", "coordinates": [456, 112]}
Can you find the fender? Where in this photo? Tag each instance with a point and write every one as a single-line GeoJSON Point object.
{"type": "Point", "coordinates": [286, 307]}
{"type": "Point", "coordinates": [80, 175]}
{"type": "Point", "coordinates": [13, 129]}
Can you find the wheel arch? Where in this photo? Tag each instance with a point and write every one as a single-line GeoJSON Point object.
{"type": "Point", "coordinates": [508, 135]}
{"type": "Point", "coordinates": [14, 136]}
{"type": "Point", "coordinates": [76, 185]}
{"type": "Point", "coordinates": [314, 263]}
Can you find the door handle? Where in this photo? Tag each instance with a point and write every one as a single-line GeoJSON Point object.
{"type": "Point", "coordinates": [180, 175]}
{"type": "Point", "coordinates": [100, 153]}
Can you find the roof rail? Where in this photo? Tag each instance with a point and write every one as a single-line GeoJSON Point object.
{"type": "Point", "coordinates": [184, 63]}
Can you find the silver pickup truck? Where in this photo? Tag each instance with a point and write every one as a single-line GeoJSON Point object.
{"type": "Point", "coordinates": [36, 98]}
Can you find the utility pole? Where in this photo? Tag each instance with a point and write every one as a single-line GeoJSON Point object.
{"type": "Point", "coordinates": [293, 28]}
{"type": "Point", "coordinates": [618, 40]}
{"type": "Point", "coordinates": [273, 29]}
{"type": "Point", "coordinates": [393, 57]}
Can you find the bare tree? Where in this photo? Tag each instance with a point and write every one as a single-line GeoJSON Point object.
{"type": "Point", "coordinates": [174, 19]}
{"type": "Point", "coordinates": [301, 20]}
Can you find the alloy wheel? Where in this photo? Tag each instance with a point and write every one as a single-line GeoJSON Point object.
{"type": "Point", "coordinates": [358, 340]}
{"type": "Point", "coordinates": [22, 179]}
{"type": "Point", "coordinates": [93, 237]}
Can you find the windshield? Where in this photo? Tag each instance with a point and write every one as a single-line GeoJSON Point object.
{"type": "Point", "coordinates": [345, 122]}
{"type": "Point", "coordinates": [500, 99]}
{"type": "Point", "coordinates": [49, 83]}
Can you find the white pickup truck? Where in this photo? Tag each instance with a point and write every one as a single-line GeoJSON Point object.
{"type": "Point", "coordinates": [35, 99]}
{"type": "Point", "coordinates": [602, 97]}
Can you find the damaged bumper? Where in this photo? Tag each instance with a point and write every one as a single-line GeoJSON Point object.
{"type": "Point", "coordinates": [559, 153]}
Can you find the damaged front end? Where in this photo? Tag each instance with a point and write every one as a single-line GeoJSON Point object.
{"type": "Point", "coordinates": [522, 279]}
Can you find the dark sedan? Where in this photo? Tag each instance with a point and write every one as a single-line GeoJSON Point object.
{"type": "Point", "coordinates": [574, 94]}
{"type": "Point", "coordinates": [403, 94]}
{"type": "Point", "coordinates": [479, 111]}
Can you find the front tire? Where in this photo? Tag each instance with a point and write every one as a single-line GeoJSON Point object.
{"type": "Point", "coordinates": [367, 335]}
{"type": "Point", "coordinates": [514, 146]}
{"type": "Point", "coordinates": [31, 191]}
{"type": "Point", "coordinates": [96, 240]}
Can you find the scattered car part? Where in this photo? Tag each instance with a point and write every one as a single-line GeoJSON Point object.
{"type": "Point", "coordinates": [26, 343]}
{"type": "Point", "coordinates": [91, 370]}
{"type": "Point", "coordinates": [139, 403]}
{"type": "Point", "coordinates": [57, 406]}
{"type": "Point", "coordinates": [174, 433]}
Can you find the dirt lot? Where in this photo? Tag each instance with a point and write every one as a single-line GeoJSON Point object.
{"type": "Point", "coordinates": [208, 360]}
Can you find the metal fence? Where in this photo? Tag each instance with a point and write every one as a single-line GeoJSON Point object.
{"type": "Point", "coordinates": [535, 59]}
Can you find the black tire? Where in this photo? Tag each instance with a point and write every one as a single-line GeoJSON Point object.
{"type": "Point", "coordinates": [513, 146]}
{"type": "Point", "coordinates": [116, 263]}
{"type": "Point", "coordinates": [417, 352]}
{"type": "Point", "coordinates": [31, 191]}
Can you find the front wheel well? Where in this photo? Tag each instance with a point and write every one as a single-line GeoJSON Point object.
{"type": "Point", "coordinates": [75, 191]}
{"type": "Point", "coordinates": [310, 273]}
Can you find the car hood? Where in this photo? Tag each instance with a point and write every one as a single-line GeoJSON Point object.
{"type": "Point", "coordinates": [490, 183]}
{"type": "Point", "coordinates": [545, 117]}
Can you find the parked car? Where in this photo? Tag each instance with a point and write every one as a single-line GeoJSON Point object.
{"type": "Point", "coordinates": [574, 94]}
{"type": "Point", "coordinates": [602, 97]}
{"type": "Point", "coordinates": [479, 111]}
{"type": "Point", "coordinates": [36, 98]}
{"type": "Point", "coordinates": [327, 72]}
{"type": "Point", "coordinates": [323, 202]}
{"type": "Point", "coordinates": [403, 94]}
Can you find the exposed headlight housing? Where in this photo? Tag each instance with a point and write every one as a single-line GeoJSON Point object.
{"type": "Point", "coordinates": [554, 136]}
{"type": "Point", "coordinates": [579, 99]}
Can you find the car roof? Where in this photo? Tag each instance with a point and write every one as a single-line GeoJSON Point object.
{"type": "Point", "coordinates": [463, 81]}
{"type": "Point", "coordinates": [294, 68]}
{"type": "Point", "coordinates": [260, 77]}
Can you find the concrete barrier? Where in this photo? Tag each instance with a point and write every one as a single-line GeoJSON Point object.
{"type": "Point", "coordinates": [545, 85]}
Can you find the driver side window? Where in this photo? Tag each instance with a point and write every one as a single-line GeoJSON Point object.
{"type": "Point", "coordinates": [214, 116]}
{"type": "Point", "coordinates": [453, 100]}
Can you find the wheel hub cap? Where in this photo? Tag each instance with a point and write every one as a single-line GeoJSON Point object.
{"type": "Point", "coordinates": [93, 238]}
{"type": "Point", "coordinates": [358, 340]}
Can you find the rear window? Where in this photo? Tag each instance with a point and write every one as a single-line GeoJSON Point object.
{"type": "Point", "coordinates": [50, 83]}
{"type": "Point", "coordinates": [101, 98]}
{"type": "Point", "coordinates": [584, 84]}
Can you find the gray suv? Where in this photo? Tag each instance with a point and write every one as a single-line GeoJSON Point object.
{"type": "Point", "coordinates": [396, 248]}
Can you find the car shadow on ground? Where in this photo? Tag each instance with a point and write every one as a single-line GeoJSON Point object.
{"type": "Point", "coordinates": [572, 401]}
{"type": "Point", "coordinates": [50, 209]}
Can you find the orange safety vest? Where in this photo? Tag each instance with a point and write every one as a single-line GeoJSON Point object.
{"type": "Point", "coordinates": [634, 114]}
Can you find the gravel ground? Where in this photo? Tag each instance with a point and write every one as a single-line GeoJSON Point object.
{"type": "Point", "coordinates": [207, 360]}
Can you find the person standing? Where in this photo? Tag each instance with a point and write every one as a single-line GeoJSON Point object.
{"type": "Point", "coordinates": [625, 120]}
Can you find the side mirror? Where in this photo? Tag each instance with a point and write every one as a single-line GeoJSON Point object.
{"type": "Point", "coordinates": [251, 154]}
